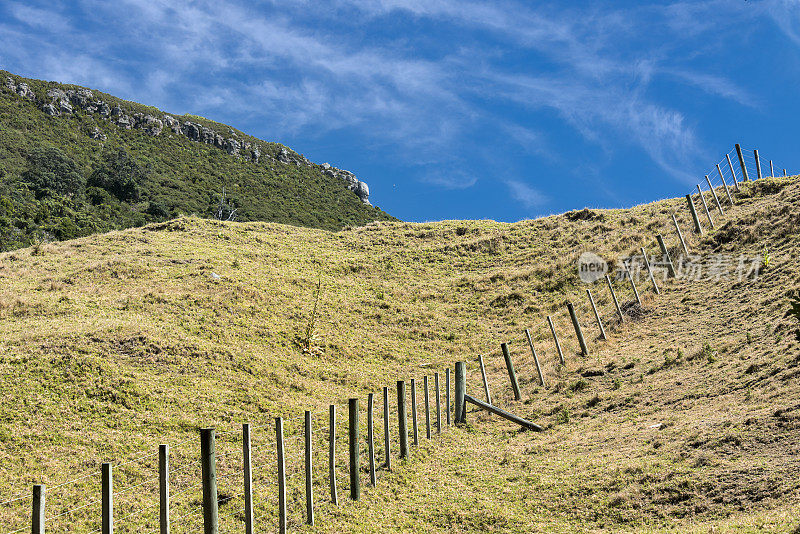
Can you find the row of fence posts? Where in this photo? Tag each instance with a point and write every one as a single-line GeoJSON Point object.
{"type": "Point", "coordinates": [208, 458]}
{"type": "Point", "coordinates": [207, 436]}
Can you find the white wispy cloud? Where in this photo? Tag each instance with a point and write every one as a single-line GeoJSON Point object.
{"type": "Point", "coordinates": [308, 68]}
{"type": "Point", "coordinates": [525, 194]}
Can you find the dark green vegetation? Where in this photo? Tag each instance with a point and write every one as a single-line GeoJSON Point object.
{"type": "Point", "coordinates": [57, 182]}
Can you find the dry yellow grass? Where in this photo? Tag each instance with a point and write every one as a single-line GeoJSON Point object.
{"type": "Point", "coordinates": [112, 344]}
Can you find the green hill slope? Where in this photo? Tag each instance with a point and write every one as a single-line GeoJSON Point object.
{"type": "Point", "coordinates": [75, 161]}
{"type": "Point", "coordinates": [684, 420]}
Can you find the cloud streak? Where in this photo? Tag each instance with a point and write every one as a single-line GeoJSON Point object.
{"type": "Point", "coordinates": [309, 69]}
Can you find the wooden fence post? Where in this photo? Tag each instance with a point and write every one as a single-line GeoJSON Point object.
{"type": "Point", "coordinates": [108, 499]}
{"type": "Point", "coordinates": [460, 391]}
{"type": "Point", "coordinates": [402, 419]}
{"type": "Point", "coordinates": [771, 169]}
{"type": "Point", "coordinates": [309, 471]}
{"type": "Point", "coordinates": [705, 206]}
{"type": "Point", "coordinates": [596, 315]}
{"type": "Point", "coordinates": [355, 481]}
{"type": "Point", "coordinates": [281, 457]}
{"type": "Point", "coordinates": [414, 429]}
{"type": "Point", "coordinates": [555, 338]}
{"type": "Point", "coordinates": [577, 326]}
{"type": "Point", "coordinates": [373, 477]}
{"type": "Point", "coordinates": [697, 228]}
{"type": "Point", "coordinates": [387, 450]}
{"type": "Point", "coordinates": [163, 489]}
{"type": "Point", "coordinates": [427, 408]}
{"type": "Point", "coordinates": [332, 453]}
{"type": "Point", "coordinates": [665, 256]}
{"type": "Point", "coordinates": [725, 185]}
{"type": "Point", "coordinates": [485, 381]}
{"type": "Point", "coordinates": [512, 375]}
{"type": "Point", "coordinates": [745, 178]}
{"type": "Point", "coordinates": [680, 236]}
{"type": "Point", "coordinates": [447, 395]}
{"type": "Point", "coordinates": [438, 404]}
{"type": "Point", "coordinates": [758, 164]}
{"type": "Point", "coordinates": [614, 298]}
{"type": "Point", "coordinates": [208, 460]}
{"type": "Point", "coordinates": [650, 272]}
{"type": "Point", "coordinates": [504, 414]}
{"type": "Point", "coordinates": [247, 464]}
{"type": "Point", "coordinates": [248, 479]}
{"type": "Point", "coordinates": [716, 198]}
{"type": "Point", "coordinates": [784, 172]}
{"type": "Point", "coordinates": [633, 286]}
{"type": "Point", "coordinates": [37, 516]}
{"type": "Point", "coordinates": [535, 357]}
{"type": "Point", "coordinates": [730, 166]}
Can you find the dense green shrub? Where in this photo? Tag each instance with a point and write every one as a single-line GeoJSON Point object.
{"type": "Point", "coordinates": [51, 169]}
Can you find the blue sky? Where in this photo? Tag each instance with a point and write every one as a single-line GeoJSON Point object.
{"type": "Point", "coordinates": [451, 109]}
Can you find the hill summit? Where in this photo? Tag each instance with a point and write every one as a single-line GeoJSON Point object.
{"type": "Point", "coordinates": [74, 161]}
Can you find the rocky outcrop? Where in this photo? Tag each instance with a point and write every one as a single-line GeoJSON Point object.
{"type": "Point", "coordinates": [97, 134]}
{"type": "Point", "coordinates": [60, 102]}
{"type": "Point", "coordinates": [151, 125]}
{"type": "Point", "coordinates": [353, 184]}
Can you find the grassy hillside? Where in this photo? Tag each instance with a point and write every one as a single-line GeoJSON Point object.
{"type": "Point", "coordinates": [685, 419]}
{"type": "Point", "coordinates": [54, 176]}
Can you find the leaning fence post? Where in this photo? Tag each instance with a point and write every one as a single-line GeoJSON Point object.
{"type": "Point", "coordinates": [725, 185]}
{"type": "Point", "coordinates": [633, 286]}
{"type": "Point", "coordinates": [37, 517]}
{"type": "Point", "coordinates": [716, 198]}
{"type": "Point", "coordinates": [665, 255]}
{"type": "Point", "coordinates": [447, 395]}
{"type": "Point", "coordinates": [596, 315]}
{"type": "Point", "coordinates": [163, 488]}
{"type": "Point", "coordinates": [309, 472]}
{"type": "Point", "coordinates": [248, 479]}
{"type": "Point", "coordinates": [402, 419]}
{"type": "Point", "coordinates": [745, 178]}
{"type": "Point", "coordinates": [355, 483]}
{"type": "Point", "coordinates": [512, 375]}
{"type": "Point", "coordinates": [535, 357]}
{"type": "Point", "coordinates": [705, 206]}
{"type": "Point", "coordinates": [208, 460]}
{"type": "Point", "coordinates": [650, 272]}
{"type": "Point", "coordinates": [758, 164]}
{"type": "Point", "coordinates": [730, 166]}
{"type": "Point", "coordinates": [282, 519]}
{"type": "Point", "coordinates": [108, 499]}
{"type": "Point", "coordinates": [386, 441]}
{"type": "Point", "coordinates": [332, 453]}
{"type": "Point", "coordinates": [414, 429]}
{"type": "Point", "coordinates": [614, 298]}
{"type": "Point", "coordinates": [577, 326]}
{"type": "Point", "coordinates": [373, 478]}
{"type": "Point", "coordinates": [697, 228]}
{"type": "Point", "coordinates": [460, 391]}
{"type": "Point", "coordinates": [555, 338]}
{"type": "Point", "coordinates": [438, 404]}
{"type": "Point", "coordinates": [680, 236]}
{"type": "Point", "coordinates": [427, 408]}
{"type": "Point", "coordinates": [485, 381]}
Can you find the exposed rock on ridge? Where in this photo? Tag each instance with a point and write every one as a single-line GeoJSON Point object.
{"type": "Point", "coordinates": [60, 102]}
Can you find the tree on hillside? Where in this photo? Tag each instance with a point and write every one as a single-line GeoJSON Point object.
{"type": "Point", "coordinates": [51, 173]}
{"type": "Point", "coordinates": [120, 175]}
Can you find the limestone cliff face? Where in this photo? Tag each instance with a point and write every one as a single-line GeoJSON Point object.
{"type": "Point", "coordinates": [58, 102]}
